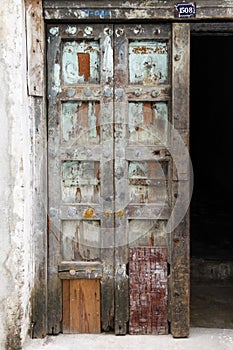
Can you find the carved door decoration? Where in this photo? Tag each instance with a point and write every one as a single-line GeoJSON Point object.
{"type": "Point", "coordinates": [110, 171]}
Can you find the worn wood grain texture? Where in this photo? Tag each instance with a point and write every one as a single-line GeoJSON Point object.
{"type": "Point", "coordinates": [81, 306]}
{"type": "Point", "coordinates": [54, 222]}
{"type": "Point", "coordinates": [80, 270]}
{"type": "Point", "coordinates": [66, 306]}
{"type": "Point", "coordinates": [160, 9]}
{"type": "Point", "coordinates": [181, 185]}
{"type": "Point", "coordinates": [35, 47]}
{"type": "Point", "coordinates": [215, 28]}
{"type": "Point", "coordinates": [39, 292]}
{"type": "Point", "coordinates": [120, 171]}
{"type": "Point", "coordinates": [36, 86]}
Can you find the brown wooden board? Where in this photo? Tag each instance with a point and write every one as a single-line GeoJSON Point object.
{"type": "Point", "coordinates": [148, 290]}
{"type": "Point", "coordinates": [134, 10]}
{"type": "Point", "coordinates": [81, 306]}
{"type": "Point", "coordinates": [66, 306]}
{"type": "Point", "coordinates": [181, 185]}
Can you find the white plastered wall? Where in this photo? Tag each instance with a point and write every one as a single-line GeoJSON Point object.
{"type": "Point", "coordinates": [16, 262]}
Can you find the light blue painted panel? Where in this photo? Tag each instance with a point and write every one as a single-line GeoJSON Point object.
{"type": "Point", "coordinates": [148, 62]}
{"type": "Point", "coordinates": [71, 62]}
{"type": "Point", "coordinates": [80, 122]}
{"type": "Point", "coordinates": [148, 122]}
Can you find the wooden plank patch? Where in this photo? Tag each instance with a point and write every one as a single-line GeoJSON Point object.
{"type": "Point", "coordinates": [148, 290]}
{"type": "Point", "coordinates": [81, 306]}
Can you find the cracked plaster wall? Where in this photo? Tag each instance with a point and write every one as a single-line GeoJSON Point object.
{"type": "Point", "coordinates": [16, 263]}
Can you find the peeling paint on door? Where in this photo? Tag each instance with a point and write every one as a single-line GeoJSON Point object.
{"type": "Point", "coordinates": [80, 240]}
{"type": "Point", "coordinates": [107, 58]}
{"type": "Point", "coordinates": [80, 182]}
{"type": "Point", "coordinates": [80, 122]}
{"type": "Point", "coordinates": [147, 233]}
{"type": "Point", "coordinates": [148, 122]}
{"type": "Point", "coordinates": [80, 62]}
{"type": "Point", "coordinates": [148, 182]}
{"type": "Point", "coordinates": [148, 290]}
{"type": "Point", "coordinates": [148, 62]}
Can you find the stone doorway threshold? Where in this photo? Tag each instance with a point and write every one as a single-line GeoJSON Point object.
{"type": "Point", "coordinates": [200, 339]}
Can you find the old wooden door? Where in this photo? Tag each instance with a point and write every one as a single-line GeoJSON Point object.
{"type": "Point", "coordinates": [111, 178]}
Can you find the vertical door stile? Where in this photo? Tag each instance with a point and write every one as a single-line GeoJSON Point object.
{"type": "Point", "coordinates": [54, 223]}
{"type": "Point", "coordinates": [121, 186]}
{"type": "Point", "coordinates": [180, 262]}
{"type": "Point", "coordinates": [107, 193]}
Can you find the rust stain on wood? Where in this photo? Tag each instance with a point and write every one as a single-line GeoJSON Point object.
{"type": "Point", "coordinates": [89, 213]}
{"type": "Point", "coordinates": [84, 65]}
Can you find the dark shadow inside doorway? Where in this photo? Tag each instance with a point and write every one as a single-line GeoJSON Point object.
{"type": "Point", "coordinates": [211, 147]}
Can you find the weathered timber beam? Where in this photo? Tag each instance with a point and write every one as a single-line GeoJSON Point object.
{"type": "Point", "coordinates": [130, 10]}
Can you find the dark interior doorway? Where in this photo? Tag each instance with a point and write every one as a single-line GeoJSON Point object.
{"type": "Point", "coordinates": [211, 147]}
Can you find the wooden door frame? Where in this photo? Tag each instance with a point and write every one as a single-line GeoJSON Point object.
{"type": "Point", "coordinates": [37, 15]}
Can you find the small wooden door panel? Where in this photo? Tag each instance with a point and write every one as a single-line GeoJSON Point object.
{"type": "Point", "coordinates": [81, 306]}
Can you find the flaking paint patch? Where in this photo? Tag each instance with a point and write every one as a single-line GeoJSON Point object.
{"type": "Point", "coordinates": [92, 121]}
{"type": "Point", "coordinates": [147, 182]}
{"type": "Point", "coordinates": [148, 122]}
{"type": "Point", "coordinates": [72, 65]}
{"type": "Point", "coordinates": [145, 232]}
{"type": "Point", "coordinates": [57, 69]}
{"type": "Point", "coordinates": [80, 122]}
{"type": "Point", "coordinates": [148, 62]}
{"type": "Point", "coordinates": [80, 239]}
{"type": "Point", "coordinates": [107, 60]}
{"type": "Point", "coordinates": [80, 182]}
{"type": "Point", "coordinates": [148, 290]}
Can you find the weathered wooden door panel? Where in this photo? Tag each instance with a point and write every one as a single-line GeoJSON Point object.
{"type": "Point", "coordinates": [142, 112]}
{"type": "Point", "coordinates": [80, 128]}
{"type": "Point", "coordinates": [111, 181]}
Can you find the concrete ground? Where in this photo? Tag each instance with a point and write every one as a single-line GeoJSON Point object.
{"type": "Point", "coordinates": [200, 339]}
{"type": "Point", "coordinates": [212, 305]}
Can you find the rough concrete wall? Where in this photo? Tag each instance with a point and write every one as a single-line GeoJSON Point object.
{"type": "Point", "coordinates": [15, 178]}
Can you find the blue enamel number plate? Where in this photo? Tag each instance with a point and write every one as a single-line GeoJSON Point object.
{"type": "Point", "coordinates": [186, 10]}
